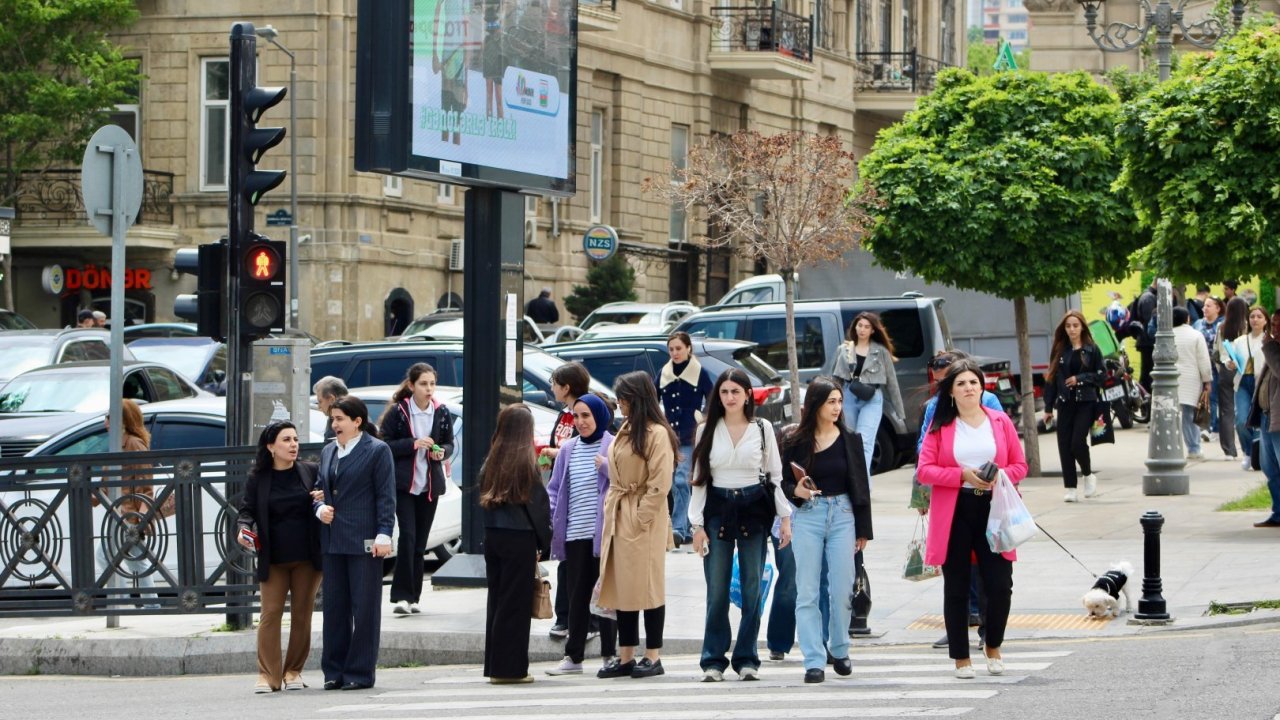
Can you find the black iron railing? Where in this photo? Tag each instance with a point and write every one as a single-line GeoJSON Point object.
{"type": "Point", "coordinates": [74, 540]}
{"type": "Point", "coordinates": [897, 71]}
{"type": "Point", "coordinates": [54, 198]}
{"type": "Point", "coordinates": [762, 29]}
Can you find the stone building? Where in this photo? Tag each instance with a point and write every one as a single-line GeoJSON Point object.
{"type": "Point", "coordinates": [654, 78]}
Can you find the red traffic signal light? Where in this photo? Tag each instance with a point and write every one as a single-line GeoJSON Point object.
{"type": "Point", "coordinates": [261, 263]}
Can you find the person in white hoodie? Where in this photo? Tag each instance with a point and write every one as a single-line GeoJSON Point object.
{"type": "Point", "coordinates": [1194, 375]}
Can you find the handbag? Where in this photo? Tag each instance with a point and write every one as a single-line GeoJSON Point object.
{"type": "Point", "coordinates": [735, 584]}
{"type": "Point", "coordinates": [597, 609]}
{"type": "Point", "coordinates": [541, 596]}
{"type": "Point", "coordinates": [861, 390]}
{"type": "Point", "coordinates": [1010, 523]}
{"type": "Point", "coordinates": [1101, 431]}
{"type": "Point", "coordinates": [1202, 410]}
{"type": "Point", "coordinates": [915, 569]}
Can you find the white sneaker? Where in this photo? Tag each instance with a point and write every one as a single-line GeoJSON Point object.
{"type": "Point", "coordinates": [712, 675]}
{"type": "Point", "coordinates": [1090, 485]}
{"type": "Point", "coordinates": [1195, 456]}
{"type": "Point", "coordinates": [566, 667]}
{"type": "Point", "coordinates": [1071, 495]}
{"type": "Point", "coordinates": [1204, 435]}
{"type": "Point", "coordinates": [1245, 464]}
{"type": "Point", "coordinates": [1213, 437]}
{"type": "Point", "coordinates": [748, 673]}
{"type": "Point", "coordinates": [415, 608]}
{"type": "Point", "coordinates": [401, 608]}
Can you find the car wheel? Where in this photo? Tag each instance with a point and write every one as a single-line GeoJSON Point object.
{"type": "Point", "coordinates": [884, 457]}
{"type": "Point", "coordinates": [447, 550]}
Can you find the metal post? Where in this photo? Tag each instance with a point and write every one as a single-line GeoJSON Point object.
{"type": "Point", "coordinates": [1166, 462]}
{"type": "Point", "coordinates": [1152, 604]}
{"type": "Point", "coordinates": [270, 34]}
{"type": "Point", "coordinates": [119, 225]}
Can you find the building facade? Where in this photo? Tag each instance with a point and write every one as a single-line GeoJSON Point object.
{"type": "Point", "coordinates": [1005, 20]}
{"type": "Point", "coordinates": [654, 79]}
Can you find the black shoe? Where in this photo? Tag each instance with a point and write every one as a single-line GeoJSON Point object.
{"type": "Point", "coordinates": [676, 539]}
{"type": "Point", "coordinates": [815, 675]}
{"type": "Point", "coordinates": [332, 684]}
{"type": "Point", "coordinates": [355, 686]}
{"type": "Point", "coordinates": [616, 669]}
{"type": "Point", "coordinates": [559, 632]}
{"type": "Point", "coordinates": [1269, 522]}
{"type": "Point", "coordinates": [776, 656]}
{"type": "Point", "coordinates": [975, 619]}
{"type": "Point", "coordinates": [844, 667]}
{"type": "Point", "coordinates": [941, 642]}
{"type": "Point", "coordinates": [830, 659]}
{"type": "Point", "coordinates": [647, 668]}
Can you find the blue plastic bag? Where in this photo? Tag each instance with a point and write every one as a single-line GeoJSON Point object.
{"type": "Point", "coordinates": [735, 584]}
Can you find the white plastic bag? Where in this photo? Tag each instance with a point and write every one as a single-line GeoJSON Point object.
{"type": "Point", "coordinates": [595, 608]}
{"type": "Point", "coordinates": [1010, 523]}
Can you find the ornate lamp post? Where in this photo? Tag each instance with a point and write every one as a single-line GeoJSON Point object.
{"type": "Point", "coordinates": [1166, 463]}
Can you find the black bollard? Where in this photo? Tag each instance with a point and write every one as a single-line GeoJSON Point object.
{"type": "Point", "coordinates": [1152, 605]}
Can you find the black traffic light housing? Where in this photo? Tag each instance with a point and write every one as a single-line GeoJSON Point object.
{"type": "Point", "coordinates": [262, 298]}
{"type": "Point", "coordinates": [209, 264]}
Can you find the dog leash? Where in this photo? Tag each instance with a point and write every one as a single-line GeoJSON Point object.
{"type": "Point", "coordinates": [1065, 550]}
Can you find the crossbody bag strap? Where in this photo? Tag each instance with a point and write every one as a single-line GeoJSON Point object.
{"type": "Point", "coordinates": [764, 475]}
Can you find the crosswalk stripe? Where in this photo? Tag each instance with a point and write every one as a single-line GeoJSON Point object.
{"type": "Point", "coordinates": [745, 714]}
{"type": "Point", "coordinates": [675, 694]}
{"type": "Point", "coordinates": [1009, 656]}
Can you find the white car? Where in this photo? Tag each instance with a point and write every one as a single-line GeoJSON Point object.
{"type": "Point", "coordinates": [662, 316]}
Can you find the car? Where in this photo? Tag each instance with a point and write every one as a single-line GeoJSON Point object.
{"type": "Point", "coordinates": [10, 320]}
{"type": "Point", "coordinates": [661, 315]}
{"type": "Point", "coordinates": [39, 403]}
{"type": "Point", "coordinates": [179, 330]}
{"type": "Point", "coordinates": [450, 328]}
{"type": "Point", "coordinates": [201, 360]}
{"type": "Point", "coordinates": [25, 350]}
{"type": "Point", "coordinates": [607, 359]}
{"type": "Point", "coordinates": [606, 331]}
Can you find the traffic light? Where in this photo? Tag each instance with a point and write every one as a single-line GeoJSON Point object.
{"type": "Point", "coordinates": [209, 264]}
{"type": "Point", "coordinates": [261, 299]}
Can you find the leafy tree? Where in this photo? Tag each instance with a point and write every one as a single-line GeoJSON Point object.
{"type": "Point", "coordinates": [981, 57]}
{"type": "Point", "coordinates": [784, 198]}
{"type": "Point", "coordinates": [1002, 184]}
{"type": "Point", "coordinates": [59, 76]}
{"type": "Point", "coordinates": [1199, 154]}
{"type": "Point", "coordinates": [610, 281]}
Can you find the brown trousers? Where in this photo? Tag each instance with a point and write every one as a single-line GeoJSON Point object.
{"type": "Point", "coordinates": [300, 581]}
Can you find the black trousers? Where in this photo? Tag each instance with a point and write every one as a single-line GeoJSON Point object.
{"type": "Point", "coordinates": [352, 619]}
{"type": "Point", "coordinates": [629, 627]}
{"type": "Point", "coordinates": [1074, 421]}
{"type": "Point", "coordinates": [968, 537]}
{"type": "Point", "coordinates": [510, 559]}
{"type": "Point", "coordinates": [414, 513]}
{"type": "Point", "coordinates": [582, 569]}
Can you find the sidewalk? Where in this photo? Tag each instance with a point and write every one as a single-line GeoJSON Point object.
{"type": "Point", "coordinates": [1207, 556]}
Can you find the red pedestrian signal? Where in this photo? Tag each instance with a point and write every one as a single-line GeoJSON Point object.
{"type": "Point", "coordinates": [261, 287]}
{"type": "Point", "coordinates": [261, 263]}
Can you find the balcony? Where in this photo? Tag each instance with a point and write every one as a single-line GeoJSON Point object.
{"type": "Point", "coordinates": [888, 83]}
{"type": "Point", "coordinates": [762, 43]}
{"type": "Point", "coordinates": [598, 15]}
{"type": "Point", "coordinates": [53, 198]}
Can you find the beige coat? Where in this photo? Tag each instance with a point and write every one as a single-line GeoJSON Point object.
{"type": "Point", "coordinates": [637, 526]}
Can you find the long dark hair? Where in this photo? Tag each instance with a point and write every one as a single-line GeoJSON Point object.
{"type": "Point", "coordinates": [801, 440]}
{"type": "Point", "coordinates": [131, 422]}
{"type": "Point", "coordinates": [643, 410]}
{"type": "Point", "coordinates": [945, 413]}
{"type": "Point", "coordinates": [715, 413]}
{"type": "Point", "coordinates": [1237, 321]}
{"type": "Point", "coordinates": [354, 408]}
{"type": "Point", "coordinates": [878, 333]}
{"type": "Point", "coordinates": [1062, 343]}
{"type": "Point", "coordinates": [405, 390]}
{"type": "Point", "coordinates": [511, 469]}
{"type": "Point", "coordinates": [262, 460]}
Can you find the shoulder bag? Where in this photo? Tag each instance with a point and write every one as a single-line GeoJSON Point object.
{"type": "Point", "coordinates": [541, 608]}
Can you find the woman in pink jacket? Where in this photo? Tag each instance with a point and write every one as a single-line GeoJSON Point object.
{"type": "Point", "coordinates": [964, 436]}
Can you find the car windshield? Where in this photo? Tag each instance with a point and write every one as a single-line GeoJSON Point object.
{"type": "Point", "coordinates": [23, 354]}
{"type": "Point", "coordinates": [421, 324]}
{"type": "Point", "coordinates": [189, 360]}
{"type": "Point", "coordinates": [623, 317]}
{"type": "Point", "coordinates": [56, 392]}
{"type": "Point", "coordinates": [13, 321]}
{"type": "Point", "coordinates": [543, 364]}
{"type": "Point", "coordinates": [756, 366]}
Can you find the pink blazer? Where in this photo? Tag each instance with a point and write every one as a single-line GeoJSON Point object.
{"type": "Point", "coordinates": [937, 467]}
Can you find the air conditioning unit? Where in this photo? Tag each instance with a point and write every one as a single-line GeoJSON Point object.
{"type": "Point", "coordinates": [455, 254]}
{"type": "Point", "coordinates": [531, 232]}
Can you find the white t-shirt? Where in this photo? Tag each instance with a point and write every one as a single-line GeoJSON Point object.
{"type": "Point", "coordinates": [974, 445]}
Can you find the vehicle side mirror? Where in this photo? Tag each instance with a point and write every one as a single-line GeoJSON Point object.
{"type": "Point", "coordinates": [537, 397]}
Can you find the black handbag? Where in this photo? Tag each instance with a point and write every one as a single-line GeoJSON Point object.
{"type": "Point", "coordinates": [861, 390]}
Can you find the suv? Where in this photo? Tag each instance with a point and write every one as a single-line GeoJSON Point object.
{"type": "Point", "coordinates": [914, 322]}
{"type": "Point", "coordinates": [607, 359]}
{"type": "Point", "coordinates": [25, 350]}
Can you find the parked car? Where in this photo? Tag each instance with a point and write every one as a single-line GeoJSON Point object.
{"type": "Point", "coordinates": [201, 360]}
{"type": "Point", "coordinates": [915, 323]}
{"type": "Point", "coordinates": [179, 330]}
{"type": "Point", "coordinates": [39, 403]}
{"type": "Point", "coordinates": [661, 315]}
{"type": "Point", "coordinates": [25, 350]}
{"type": "Point", "coordinates": [10, 320]}
{"type": "Point", "coordinates": [607, 359]}
{"type": "Point", "coordinates": [450, 328]}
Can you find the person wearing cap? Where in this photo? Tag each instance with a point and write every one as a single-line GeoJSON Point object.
{"type": "Point", "coordinates": [99, 319]}
{"type": "Point", "coordinates": [84, 319]}
{"type": "Point", "coordinates": [542, 309]}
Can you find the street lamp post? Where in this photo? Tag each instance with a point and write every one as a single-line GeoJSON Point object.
{"type": "Point", "coordinates": [270, 34]}
{"type": "Point", "coordinates": [1166, 463]}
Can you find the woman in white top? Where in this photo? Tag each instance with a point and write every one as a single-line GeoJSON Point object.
{"type": "Point", "coordinates": [1245, 359]}
{"type": "Point", "coordinates": [737, 476]}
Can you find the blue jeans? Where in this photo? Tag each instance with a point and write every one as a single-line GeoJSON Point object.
{"type": "Point", "coordinates": [1190, 430]}
{"type": "Point", "coordinates": [1270, 461]}
{"type": "Point", "coordinates": [717, 567]}
{"type": "Point", "coordinates": [680, 494]}
{"type": "Point", "coordinates": [1244, 396]}
{"type": "Point", "coordinates": [822, 528]}
{"type": "Point", "coordinates": [863, 417]}
{"type": "Point", "coordinates": [781, 633]}
{"type": "Point", "coordinates": [1213, 400]}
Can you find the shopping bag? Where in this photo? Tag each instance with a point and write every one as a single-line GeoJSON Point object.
{"type": "Point", "coordinates": [594, 605]}
{"type": "Point", "coordinates": [915, 568]}
{"type": "Point", "coordinates": [735, 584]}
{"type": "Point", "coordinates": [1010, 523]}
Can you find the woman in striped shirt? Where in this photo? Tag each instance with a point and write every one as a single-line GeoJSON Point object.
{"type": "Point", "coordinates": [578, 484]}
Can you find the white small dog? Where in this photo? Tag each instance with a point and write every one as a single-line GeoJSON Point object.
{"type": "Point", "coordinates": [1103, 599]}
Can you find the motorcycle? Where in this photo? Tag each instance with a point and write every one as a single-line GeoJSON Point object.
{"type": "Point", "coordinates": [1129, 400]}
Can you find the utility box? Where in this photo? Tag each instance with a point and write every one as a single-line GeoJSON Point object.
{"type": "Point", "coordinates": [281, 384]}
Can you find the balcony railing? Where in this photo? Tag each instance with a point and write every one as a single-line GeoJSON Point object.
{"type": "Point", "coordinates": [54, 198]}
{"type": "Point", "coordinates": [762, 29]}
{"type": "Point", "coordinates": [610, 5]}
{"type": "Point", "coordinates": [898, 72]}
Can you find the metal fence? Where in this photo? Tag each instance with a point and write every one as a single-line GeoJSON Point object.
{"type": "Point", "coordinates": [53, 197]}
{"type": "Point", "coordinates": [898, 71]}
{"type": "Point", "coordinates": [75, 539]}
{"type": "Point", "coordinates": [762, 29]}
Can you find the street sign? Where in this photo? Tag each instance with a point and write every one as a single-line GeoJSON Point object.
{"type": "Point", "coordinates": [600, 242]}
{"type": "Point", "coordinates": [280, 217]}
{"type": "Point", "coordinates": [1004, 58]}
{"type": "Point", "coordinates": [96, 178]}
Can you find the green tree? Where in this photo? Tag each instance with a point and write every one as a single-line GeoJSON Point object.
{"type": "Point", "coordinates": [1199, 154]}
{"type": "Point", "coordinates": [981, 57]}
{"type": "Point", "coordinates": [610, 281]}
{"type": "Point", "coordinates": [1002, 184]}
{"type": "Point", "coordinates": [59, 76]}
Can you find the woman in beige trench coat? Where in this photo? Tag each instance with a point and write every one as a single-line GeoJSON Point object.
{"type": "Point", "coordinates": [637, 526]}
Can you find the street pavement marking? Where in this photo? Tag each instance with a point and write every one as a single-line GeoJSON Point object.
{"type": "Point", "coordinates": [1027, 621]}
{"type": "Point", "coordinates": [745, 714]}
{"type": "Point", "coordinates": [700, 699]}
{"type": "Point", "coordinates": [1014, 656]}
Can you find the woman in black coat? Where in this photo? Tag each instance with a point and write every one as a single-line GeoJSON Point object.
{"type": "Point", "coordinates": [419, 431]}
{"type": "Point", "coordinates": [277, 522]}
{"type": "Point", "coordinates": [1071, 387]}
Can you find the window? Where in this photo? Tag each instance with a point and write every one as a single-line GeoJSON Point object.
{"type": "Point", "coordinates": [903, 326]}
{"type": "Point", "coordinates": [1017, 35]}
{"type": "Point", "coordinates": [95, 442]}
{"type": "Point", "coordinates": [597, 166]}
{"type": "Point", "coordinates": [379, 371]}
{"type": "Point", "coordinates": [823, 24]}
{"type": "Point", "coordinates": [215, 127]}
{"type": "Point", "coordinates": [1017, 18]}
{"type": "Point", "coordinates": [947, 30]}
{"type": "Point", "coordinates": [718, 329]}
{"type": "Point", "coordinates": [863, 30]}
{"type": "Point", "coordinates": [167, 385]}
{"type": "Point", "coordinates": [679, 159]}
{"type": "Point", "coordinates": [392, 186]}
{"type": "Point", "coordinates": [444, 194]}
{"type": "Point", "coordinates": [86, 350]}
{"type": "Point", "coordinates": [135, 388]}
{"type": "Point", "coordinates": [886, 26]}
{"type": "Point", "coordinates": [183, 434]}
{"type": "Point", "coordinates": [607, 368]}
{"type": "Point", "coordinates": [771, 336]}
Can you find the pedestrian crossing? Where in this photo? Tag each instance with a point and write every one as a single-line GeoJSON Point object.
{"type": "Point", "coordinates": [884, 684]}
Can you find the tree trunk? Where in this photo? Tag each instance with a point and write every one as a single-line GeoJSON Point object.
{"type": "Point", "coordinates": [1026, 389]}
{"type": "Point", "coordinates": [793, 359]}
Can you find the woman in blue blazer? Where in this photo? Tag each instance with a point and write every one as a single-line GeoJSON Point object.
{"type": "Point", "coordinates": [357, 480]}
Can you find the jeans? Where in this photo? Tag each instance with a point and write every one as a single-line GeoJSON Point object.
{"type": "Point", "coordinates": [680, 494]}
{"type": "Point", "coordinates": [717, 567]}
{"type": "Point", "coordinates": [1244, 396]}
{"type": "Point", "coordinates": [781, 633]}
{"type": "Point", "coordinates": [1270, 461]}
{"type": "Point", "coordinates": [863, 417]}
{"type": "Point", "coordinates": [822, 528]}
{"type": "Point", "coordinates": [1213, 400]}
{"type": "Point", "coordinates": [1190, 430]}
{"type": "Point", "coordinates": [1226, 412]}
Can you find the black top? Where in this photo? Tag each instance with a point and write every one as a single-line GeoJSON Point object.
{"type": "Point", "coordinates": [290, 516]}
{"type": "Point", "coordinates": [1086, 366]}
{"type": "Point", "coordinates": [829, 470]}
{"type": "Point", "coordinates": [258, 513]}
{"type": "Point", "coordinates": [857, 366]}
{"type": "Point", "coordinates": [858, 485]}
{"type": "Point", "coordinates": [534, 516]}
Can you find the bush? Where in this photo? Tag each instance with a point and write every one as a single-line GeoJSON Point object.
{"type": "Point", "coordinates": [610, 281]}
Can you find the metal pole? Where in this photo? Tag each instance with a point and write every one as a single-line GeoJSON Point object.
{"type": "Point", "coordinates": [1163, 20]}
{"type": "Point", "coordinates": [119, 224]}
{"type": "Point", "coordinates": [293, 189]}
{"type": "Point", "coordinates": [1152, 605]}
{"type": "Point", "coordinates": [1166, 463]}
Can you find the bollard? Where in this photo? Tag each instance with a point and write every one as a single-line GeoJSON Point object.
{"type": "Point", "coordinates": [1152, 605]}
